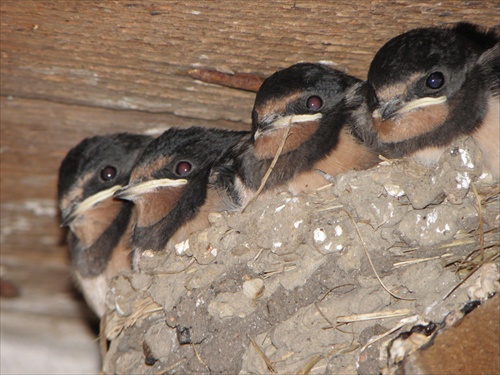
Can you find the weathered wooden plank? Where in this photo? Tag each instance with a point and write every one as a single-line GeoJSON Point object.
{"type": "Point", "coordinates": [132, 55]}
{"type": "Point", "coordinates": [43, 343]}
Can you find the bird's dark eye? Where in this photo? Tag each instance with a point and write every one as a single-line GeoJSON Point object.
{"type": "Point", "coordinates": [435, 80]}
{"type": "Point", "coordinates": [183, 168]}
{"type": "Point", "coordinates": [314, 103]}
{"type": "Point", "coordinates": [108, 173]}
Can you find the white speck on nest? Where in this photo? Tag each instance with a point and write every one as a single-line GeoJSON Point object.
{"type": "Point", "coordinates": [338, 230]}
{"type": "Point", "coordinates": [278, 209]}
{"type": "Point", "coordinates": [466, 159]}
{"type": "Point", "coordinates": [199, 302]}
{"type": "Point", "coordinates": [181, 247]}
{"type": "Point", "coordinates": [297, 223]}
{"type": "Point", "coordinates": [390, 207]}
{"type": "Point", "coordinates": [394, 190]}
{"type": "Point", "coordinates": [119, 309]}
{"type": "Point", "coordinates": [339, 247]}
{"type": "Point", "coordinates": [277, 244]}
{"type": "Point", "coordinates": [214, 252]}
{"type": "Point", "coordinates": [463, 180]}
{"type": "Point", "coordinates": [319, 235]}
{"type": "Point", "coordinates": [431, 218]}
{"type": "Point", "coordinates": [442, 231]}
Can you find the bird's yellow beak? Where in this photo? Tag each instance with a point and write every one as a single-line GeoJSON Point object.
{"type": "Point", "coordinates": [132, 191]}
{"type": "Point", "coordinates": [283, 122]}
{"type": "Point", "coordinates": [391, 109]}
{"type": "Point", "coordinates": [87, 204]}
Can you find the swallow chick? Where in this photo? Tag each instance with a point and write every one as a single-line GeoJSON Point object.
{"type": "Point", "coordinates": [176, 183]}
{"type": "Point", "coordinates": [308, 104]}
{"type": "Point", "coordinates": [99, 225]}
{"type": "Point", "coordinates": [430, 85]}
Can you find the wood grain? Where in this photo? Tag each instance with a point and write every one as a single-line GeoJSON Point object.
{"type": "Point", "coordinates": [73, 69]}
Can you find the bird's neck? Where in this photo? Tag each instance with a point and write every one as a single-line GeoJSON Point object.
{"type": "Point", "coordinates": [91, 260]}
{"type": "Point", "coordinates": [157, 236]}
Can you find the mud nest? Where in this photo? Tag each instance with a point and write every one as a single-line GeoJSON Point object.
{"type": "Point", "coordinates": [301, 284]}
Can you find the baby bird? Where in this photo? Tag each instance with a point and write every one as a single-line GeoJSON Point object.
{"type": "Point", "coordinates": [98, 224]}
{"type": "Point", "coordinates": [430, 85]}
{"type": "Point", "coordinates": [177, 182]}
{"type": "Point", "coordinates": [312, 101]}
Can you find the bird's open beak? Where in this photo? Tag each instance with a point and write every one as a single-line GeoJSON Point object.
{"type": "Point", "coordinates": [283, 122]}
{"type": "Point", "coordinates": [131, 191]}
{"type": "Point", "coordinates": [397, 107]}
{"type": "Point", "coordinates": [82, 207]}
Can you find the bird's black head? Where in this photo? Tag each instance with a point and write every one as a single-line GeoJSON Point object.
{"type": "Point", "coordinates": [299, 115]}
{"type": "Point", "coordinates": [88, 177]}
{"type": "Point", "coordinates": [419, 78]}
{"type": "Point", "coordinates": [299, 96]}
{"type": "Point", "coordinates": [417, 54]}
{"type": "Point", "coordinates": [479, 38]}
{"type": "Point", "coordinates": [183, 153]}
{"type": "Point", "coordinates": [95, 165]}
{"type": "Point", "coordinates": [169, 182]}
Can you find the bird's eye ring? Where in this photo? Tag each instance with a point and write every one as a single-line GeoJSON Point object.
{"type": "Point", "coordinates": [108, 173]}
{"type": "Point", "coordinates": [314, 103]}
{"type": "Point", "coordinates": [183, 168]}
{"type": "Point", "coordinates": [435, 80]}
